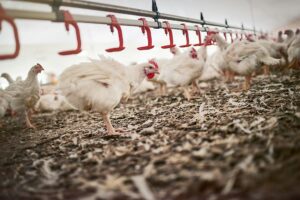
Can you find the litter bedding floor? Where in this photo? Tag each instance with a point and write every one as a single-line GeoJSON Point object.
{"type": "Point", "coordinates": [219, 145]}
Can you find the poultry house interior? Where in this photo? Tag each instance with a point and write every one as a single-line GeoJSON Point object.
{"type": "Point", "coordinates": [182, 109]}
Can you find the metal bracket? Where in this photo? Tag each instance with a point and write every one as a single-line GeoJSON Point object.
{"type": "Point", "coordinates": [226, 23]}
{"type": "Point", "coordinates": [202, 19]}
{"type": "Point", "coordinates": [157, 16]}
{"type": "Point", "coordinates": [225, 33]}
{"type": "Point", "coordinates": [56, 4]}
{"type": "Point", "coordinates": [206, 29]}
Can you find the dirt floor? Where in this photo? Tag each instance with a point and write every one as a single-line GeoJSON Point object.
{"type": "Point", "coordinates": [219, 145]}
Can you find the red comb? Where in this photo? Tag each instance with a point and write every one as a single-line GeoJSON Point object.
{"type": "Point", "coordinates": [39, 65]}
{"type": "Point", "coordinates": [154, 63]}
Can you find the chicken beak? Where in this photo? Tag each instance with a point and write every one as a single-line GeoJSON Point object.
{"type": "Point", "coordinates": [156, 71]}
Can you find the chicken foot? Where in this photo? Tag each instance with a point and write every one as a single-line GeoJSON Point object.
{"type": "Point", "coordinates": [227, 75]}
{"type": "Point", "coordinates": [110, 129]}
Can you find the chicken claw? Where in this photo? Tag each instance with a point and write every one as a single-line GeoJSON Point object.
{"type": "Point", "coordinates": [110, 129]}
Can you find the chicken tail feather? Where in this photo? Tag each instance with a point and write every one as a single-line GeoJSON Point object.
{"type": "Point", "coordinates": [270, 61]}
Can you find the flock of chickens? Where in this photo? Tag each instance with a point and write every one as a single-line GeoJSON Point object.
{"type": "Point", "coordinates": [100, 85]}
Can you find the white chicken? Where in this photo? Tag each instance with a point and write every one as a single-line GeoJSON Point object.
{"type": "Point", "coordinates": [147, 85]}
{"type": "Point", "coordinates": [144, 87]}
{"type": "Point", "coordinates": [25, 94]}
{"type": "Point", "coordinates": [182, 70]}
{"type": "Point", "coordinates": [211, 69]}
{"type": "Point", "coordinates": [294, 53]}
{"type": "Point", "coordinates": [53, 102]}
{"type": "Point", "coordinates": [275, 50]}
{"type": "Point", "coordinates": [243, 58]}
{"type": "Point", "coordinates": [157, 80]}
{"type": "Point", "coordinates": [163, 65]}
{"type": "Point", "coordinates": [216, 61]}
{"type": "Point", "coordinates": [100, 85]}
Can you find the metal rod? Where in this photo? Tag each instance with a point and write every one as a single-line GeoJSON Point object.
{"type": "Point", "coordinates": [129, 11]}
{"type": "Point", "coordinates": [51, 16]}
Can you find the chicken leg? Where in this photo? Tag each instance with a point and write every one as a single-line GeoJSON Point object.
{"type": "Point", "coordinates": [195, 87]}
{"type": "Point", "coordinates": [186, 93]}
{"type": "Point", "coordinates": [162, 89]}
{"type": "Point", "coordinates": [266, 70]}
{"type": "Point", "coordinates": [227, 75]}
{"type": "Point", "coordinates": [247, 82]}
{"type": "Point", "coordinates": [107, 122]}
{"type": "Point", "coordinates": [231, 76]}
{"type": "Point", "coordinates": [27, 118]}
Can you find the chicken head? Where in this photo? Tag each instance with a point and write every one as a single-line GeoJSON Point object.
{"type": "Point", "coordinates": [193, 53]}
{"type": "Point", "coordinates": [151, 69]}
{"type": "Point", "coordinates": [38, 68]}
